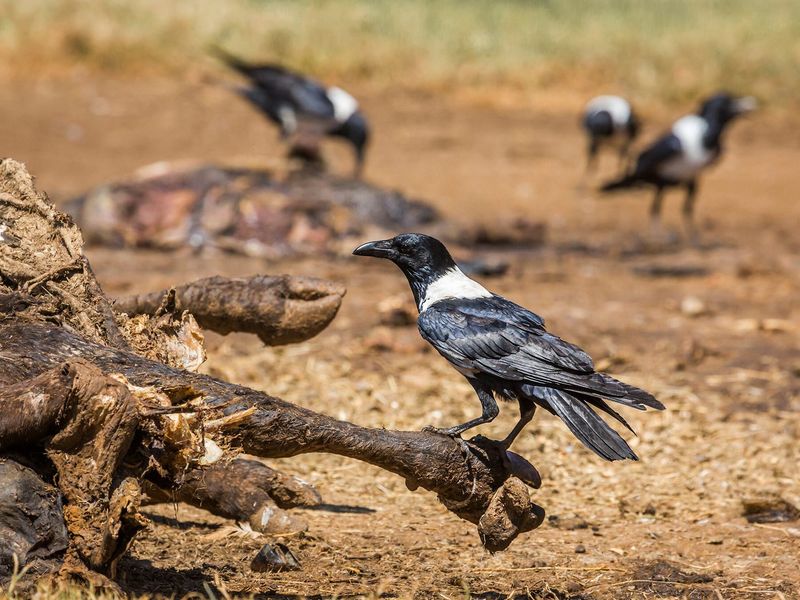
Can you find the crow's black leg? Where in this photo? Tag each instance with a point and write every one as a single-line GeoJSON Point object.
{"type": "Point", "coordinates": [623, 154]}
{"type": "Point", "coordinates": [526, 410]}
{"type": "Point", "coordinates": [358, 167]}
{"type": "Point", "coordinates": [688, 211]}
{"type": "Point", "coordinates": [490, 411]}
{"type": "Point", "coordinates": [655, 210]}
{"type": "Point", "coordinates": [591, 156]}
{"type": "Point", "coordinates": [308, 152]}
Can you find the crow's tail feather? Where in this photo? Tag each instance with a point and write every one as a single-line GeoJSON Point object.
{"type": "Point", "coordinates": [604, 386]}
{"type": "Point", "coordinates": [229, 59]}
{"type": "Point", "coordinates": [586, 425]}
{"type": "Point", "coordinates": [602, 405]}
{"type": "Point", "coordinates": [631, 395]}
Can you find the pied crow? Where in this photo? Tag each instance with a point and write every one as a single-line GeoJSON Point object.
{"type": "Point", "coordinates": [678, 157]}
{"type": "Point", "coordinates": [504, 350]}
{"type": "Point", "coordinates": [609, 121]}
{"type": "Point", "coordinates": [303, 108]}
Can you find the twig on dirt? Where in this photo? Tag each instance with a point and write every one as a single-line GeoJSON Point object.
{"type": "Point", "coordinates": [75, 304]}
{"type": "Point", "coordinates": [15, 270]}
{"type": "Point", "coordinates": [24, 206]}
{"type": "Point", "coordinates": [30, 285]}
{"type": "Point", "coordinates": [603, 568]}
{"type": "Point", "coordinates": [16, 575]}
{"type": "Point", "coordinates": [699, 586]}
{"type": "Point", "coordinates": [763, 526]}
{"type": "Point", "coordinates": [183, 409]}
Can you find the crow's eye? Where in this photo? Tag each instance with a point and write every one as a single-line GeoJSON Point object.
{"type": "Point", "coordinates": [406, 246]}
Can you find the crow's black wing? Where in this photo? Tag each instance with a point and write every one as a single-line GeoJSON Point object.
{"type": "Point", "coordinates": [312, 99]}
{"type": "Point", "coordinates": [499, 338]}
{"type": "Point", "coordinates": [307, 97]}
{"type": "Point", "coordinates": [284, 87]}
{"type": "Point", "coordinates": [662, 150]}
{"type": "Point", "coordinates": [498, 335]}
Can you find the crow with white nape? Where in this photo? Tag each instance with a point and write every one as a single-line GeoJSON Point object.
{"type": "Point", "coordinates": [302, 108]}
{"type": "Point", "coordinates": [504, 350]}
{"type": "Point", "coordinates": [678, 157]}
{"type": "Point", "coordinates": [609, 121]}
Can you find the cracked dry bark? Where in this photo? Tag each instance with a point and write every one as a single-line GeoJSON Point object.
{"type": "Point", "coordinates": [58, 330]}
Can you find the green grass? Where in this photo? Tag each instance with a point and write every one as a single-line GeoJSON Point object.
{"type": "Point", "coordinates": [672, 50]}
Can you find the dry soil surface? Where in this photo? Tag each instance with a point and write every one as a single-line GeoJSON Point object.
{"type": "Point", "coordinates": [713, 331]}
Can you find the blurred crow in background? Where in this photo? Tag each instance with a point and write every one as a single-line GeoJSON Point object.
{"type": "Point", "coordinates": [609, 121]}
{"type": "Point", "coordinates": [504, 350]}
{"type": "Point", "coordinates": [304, 109]}
{"type": "Point", "coordinates": [678, 157]}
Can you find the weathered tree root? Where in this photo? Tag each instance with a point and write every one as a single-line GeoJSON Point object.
{"type": "Point", "coordinates": [465, 475]}
{"type": "Point", "coordinates": [279, 310]}
{"type": "Point", "coordinates": [244, 490]}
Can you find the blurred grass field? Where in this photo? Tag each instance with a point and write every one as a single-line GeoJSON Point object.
{"type": "Point", "coordinates": [665, 51]}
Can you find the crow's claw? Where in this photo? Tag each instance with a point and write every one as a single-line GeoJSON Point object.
{"type": "Point", "coordinates": [452, 432]}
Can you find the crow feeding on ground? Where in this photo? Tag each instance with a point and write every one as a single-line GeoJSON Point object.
{"type": "Point", "coordinates": [609, 120]}
{"type": "Point", "coordinates": [678, 157]}
{"type": "Point", "coordinates": [504, 350]}
{"type": "Point", "coordinates": [302, 108]}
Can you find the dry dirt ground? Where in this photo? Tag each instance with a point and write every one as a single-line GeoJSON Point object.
{"type": "Point", "coordinates": [726, 362]}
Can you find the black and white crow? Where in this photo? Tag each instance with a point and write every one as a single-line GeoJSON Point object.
{"type": "Point", "coordinates": [609, 121]}
{"type": "Point", "coordinates": [302, 107]}
{"type": "Point", "coordinates": [504, 350]}
{"type": "Point", "coordinates": [678, 157]}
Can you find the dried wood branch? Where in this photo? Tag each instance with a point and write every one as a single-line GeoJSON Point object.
{"type": "Point", "coordinates": [279, 310]}
{"type": "Point", "coordinates": [465, 475]}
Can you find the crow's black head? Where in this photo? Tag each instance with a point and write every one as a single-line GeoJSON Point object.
{"type": "Point", "coordinates": [421, 257]}
{"type": "Point", "coordinates": [356, 131]}
{"type": "Point", "coordinates": [723, 107]}
{"type": "Point", "coordinates": [599, 123]}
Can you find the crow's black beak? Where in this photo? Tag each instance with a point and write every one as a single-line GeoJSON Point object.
{"type": "Point", "coordinates": [358, 168]}
{"type": "Point", "coordinates": [745, 104]}
{"type": "Point", "coordinates": [379, 249]}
